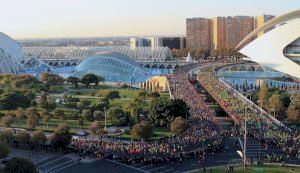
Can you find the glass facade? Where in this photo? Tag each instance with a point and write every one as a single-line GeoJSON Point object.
{"type": "Point", "coordinates": [114, 67]}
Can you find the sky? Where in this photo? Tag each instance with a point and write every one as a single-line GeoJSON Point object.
{"type": "Point", "coordinates": [104, 18]}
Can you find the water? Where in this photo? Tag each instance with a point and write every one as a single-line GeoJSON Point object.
{"type": "Point", "coordinates": [253, 78]}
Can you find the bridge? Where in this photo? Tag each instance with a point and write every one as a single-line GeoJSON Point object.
{"type": "Point", "coordinates": [260, 124]}
{"type": "Point", "coordinates": [246, 67]}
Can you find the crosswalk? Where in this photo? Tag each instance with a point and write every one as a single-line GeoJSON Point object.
{"type": "Point", "coordinates": [54, 164]}
{"type": "Point", "coordinates": [151, 168]}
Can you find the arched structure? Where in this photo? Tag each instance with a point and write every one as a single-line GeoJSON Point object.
{"type": "Point", "coordinates": [10, 54]}
{"type": "Point", "coordinates": [268, 25]}
{"type": "Point", "coordinates": [139, 54]}
{"type": "Point", "coordinates": [269, 49]}
{"type": "Point", "coordinates": [114, 67]}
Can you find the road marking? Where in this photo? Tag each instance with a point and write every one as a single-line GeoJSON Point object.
{"type": "Point", "coordinates": [156, 168]}
{"type": "Point", "coordinates": [167, 170]}
{"type": "Point", "coordinates": [137, 164]}
{"type": "Point", "coordinates": [53, 168]}
{"type": "Point", "coordinates": [43, 160]}
{"type": "Point", "coordinates": [63, 167]}
{"type": "Point", "coordinates": [127, 166]}
{"type": "Point", "coordinates": [145, 166]}
{"type": "Point", "coordinates": [48, 163]}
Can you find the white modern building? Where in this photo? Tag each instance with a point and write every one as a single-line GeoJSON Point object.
{"type": "Point", "coordinates": [10, 54]}
{"type": "Point", "coordinates": [279, 48]}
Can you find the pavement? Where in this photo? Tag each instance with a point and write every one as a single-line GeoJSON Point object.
{"type": "Point", "coordinates": [31, 155]}
{"type": "Point", "coordinates": [70, 163]}
{"type": "Point", "coordinates": [188, 164]}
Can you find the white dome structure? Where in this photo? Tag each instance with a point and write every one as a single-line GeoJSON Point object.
{"type": "Point", "coordinates": [114, 67]}
{"type": "Point", "coordinates": [10, 54]}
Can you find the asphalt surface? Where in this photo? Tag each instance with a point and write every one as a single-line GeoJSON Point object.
{"type": "Point", "coordinates": [110, 166]}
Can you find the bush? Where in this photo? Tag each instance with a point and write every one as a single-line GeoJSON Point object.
{"type": "Point", "coordinates": [179, 125]}
{"type": "Point", "coordinates": [113, 95]}
{"type": "Point", "coordinates": [38, 138]}
{"type": "Point", "coordinates": [4, 150]}
{"type": "Point", "coordinates": [7, 121]}
{"type": "Point", "coordinates": [117, 116]}
{"type": "Point", "coordinates": [22, 138]}
{"type": "Point", "coordinates": [142, 130]}
{"type": "Point", "coordinates": [19, 165]}
{"type": "Point", "coordinates": [61, 137]}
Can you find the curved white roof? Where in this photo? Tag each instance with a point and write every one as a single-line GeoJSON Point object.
{"type": "Point", "coordinates": [267, 50]}
{"type": "Point", "coordinates": [10, 54]}
{"type": "Point", "coordinates": [10, 46]}
{"type": "Point", "coordinates": [278, 20]}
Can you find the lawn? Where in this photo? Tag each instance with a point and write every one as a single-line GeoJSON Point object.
{"type": "Point", "coordinates": [256, 169]}
{"type": "Point", "coordinates": [53, 123]}
{"type": "Point", "coordinates": [128, 93]}
{"type": "Point", "coordinates": [157, 134]}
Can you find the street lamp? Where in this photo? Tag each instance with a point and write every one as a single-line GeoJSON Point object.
{"type": "Point", "coordinates": [259, 101]}
{"type": "Point", "coordinates": [105, 127]}
{"type": "Point", "coordinates": [245, 137]}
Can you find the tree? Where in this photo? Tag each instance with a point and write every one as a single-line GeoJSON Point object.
{"type": "Point", "coordinates": [19, 165]}
{"type": "Point", "coordinates": [116, 115]}
{"type": "Point", "coordinates": [98, 115]}
{"type": "Point", "coordinates": [73, 80]}
{"type": "Point", "coordinates": [61, 137]}
{"type": "Point", "coordinates": [52, 79]}
{"type": "Point", "coordinates": [20, 114]}
{"type": "Point", "coordinates": [32, 121]}
{"type": "Point", "coordinates": [7, 136]}
{"type": "Point", "coordinates": [32, 111]}
{"type": "Point", "coordinates": [275, 102]}
{"type": "Point", "coordinates": [43, 102]}
{"type": "Point", "coordinates": [90, 78]}
{"type": "Point", "coordinates": [142, 130]}
{"type": "Point", "coordinates": [164, 110]}
{"type": "Point", "coordinates": [100, 105]}
{"type": "Point", "coordinates": [142, 95]}
{"type": "Point", "coordinates": [263, 94]}
{"type": "Point", "coordinates": [95, 128]}
{"type": "Point", "coordinates": [83, 104]}
{"type": "Point", "coordinates": [153, 95]}
{"type": "Point", "coordinates": [86, 113]}
{"type": "Point", "coordinates": [81, 122]}
{"type": "Point", "coordinates": [22, 138]}
{"type": "Point", "coordinates": [11, 101]}
{"type": "Point", "coordinates": [179, 126]}
{"type": "Point", "coordinates": [46, 119]}
{"type": "Point", "coordinates": [59, 113]}
{"type": "Point", "coordinates": [112, 95]}
{"type": "Point", "coordinates": [293, 112]}
{"type": "Point", "coordinates": [7, 121]}
{"type": "Point", "coordinates": [4, 150]}
{"type": "Point", "coordinates": [38, 138]}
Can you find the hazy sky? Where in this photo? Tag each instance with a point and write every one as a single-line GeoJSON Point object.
{"type": "Point", "coordinates": [88, 18]}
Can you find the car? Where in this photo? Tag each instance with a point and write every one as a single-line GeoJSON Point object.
{"type": "Point", "coordinates": [81, 133]}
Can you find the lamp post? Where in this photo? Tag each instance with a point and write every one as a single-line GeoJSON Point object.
{"type": "Point", "coordinates": [245, 137]}
{"type": "Point", "coordinates": [105, 127]}
{"type": "Point", "coordinates": [259, 101]}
